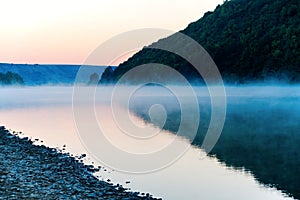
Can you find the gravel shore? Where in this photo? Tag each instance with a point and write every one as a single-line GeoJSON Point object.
{"type": "Point", "coordinates": [29, 171]}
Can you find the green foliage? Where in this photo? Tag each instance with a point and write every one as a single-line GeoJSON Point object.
{"type": "Point", "coordinates": [10, 78]}
{"type": "Point", "coordinates": [249, 40]}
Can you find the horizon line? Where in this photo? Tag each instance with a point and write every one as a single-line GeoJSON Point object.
{"type": "Point", "coordinates": [64, 64]}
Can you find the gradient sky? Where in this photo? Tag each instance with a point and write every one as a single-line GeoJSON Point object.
{"type": "Point", "coordinates": [67, 31]}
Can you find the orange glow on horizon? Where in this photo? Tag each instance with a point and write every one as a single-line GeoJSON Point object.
{"type": "Point", "coordinates": [66, 32]}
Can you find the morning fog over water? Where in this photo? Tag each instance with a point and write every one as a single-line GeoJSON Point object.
{"type": "Point", "coordinates": [255, 157]}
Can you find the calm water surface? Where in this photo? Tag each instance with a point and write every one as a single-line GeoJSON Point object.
{"type": "Point", "coordinates": [46, 113]}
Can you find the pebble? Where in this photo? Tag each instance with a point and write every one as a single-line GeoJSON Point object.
{"type": "Point", "coordinates": [29, 171]}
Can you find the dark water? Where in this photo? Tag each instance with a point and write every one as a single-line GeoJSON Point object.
{"type": "Point", "coordinates": [261, 132]}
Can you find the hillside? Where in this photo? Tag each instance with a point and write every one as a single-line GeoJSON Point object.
{"type": "Point", "coordinates": [47, 74]}
{"type": "Point", "coordinates": [10, 78]}
{"type": "Point", "coordinates": [249, 40]}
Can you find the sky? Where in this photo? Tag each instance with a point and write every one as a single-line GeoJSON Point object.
{"type": "Point", "coordinates": [67, 31]}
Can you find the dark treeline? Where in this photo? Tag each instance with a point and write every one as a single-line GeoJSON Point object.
{"type": "Point", "coordinates": [249, 40]}
{"type": "Point", "coordinates": [10, 78]}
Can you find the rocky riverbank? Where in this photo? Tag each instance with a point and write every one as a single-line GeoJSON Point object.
{"type": "Point", "coordinates": [31, 171]}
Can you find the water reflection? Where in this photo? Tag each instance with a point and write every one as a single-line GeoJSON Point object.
{"type": "Point", "coordinates": [261, 132]}
{"type": "Point", "coordinates": [188, 178]}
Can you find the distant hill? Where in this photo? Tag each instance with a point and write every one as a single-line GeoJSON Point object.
{"type": "Point", "coordinates": [47, 74]}
{"type": "Point", "coordinates": [10, 78]}
{"type": "Point", "coordinates": [249, 40]}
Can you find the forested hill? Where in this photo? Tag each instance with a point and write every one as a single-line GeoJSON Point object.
{"type": "Point", "coordinates": [10, 78]}
{"type": "Point", "coordinates": [34, 74]}
{"type": "Point", "coordinates": [42, 74]}
{"type": "Point", "coordinates": [249, 40]}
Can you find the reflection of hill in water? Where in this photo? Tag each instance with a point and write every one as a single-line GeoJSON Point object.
{"type": "Point", "coordinates": [260, 135]}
